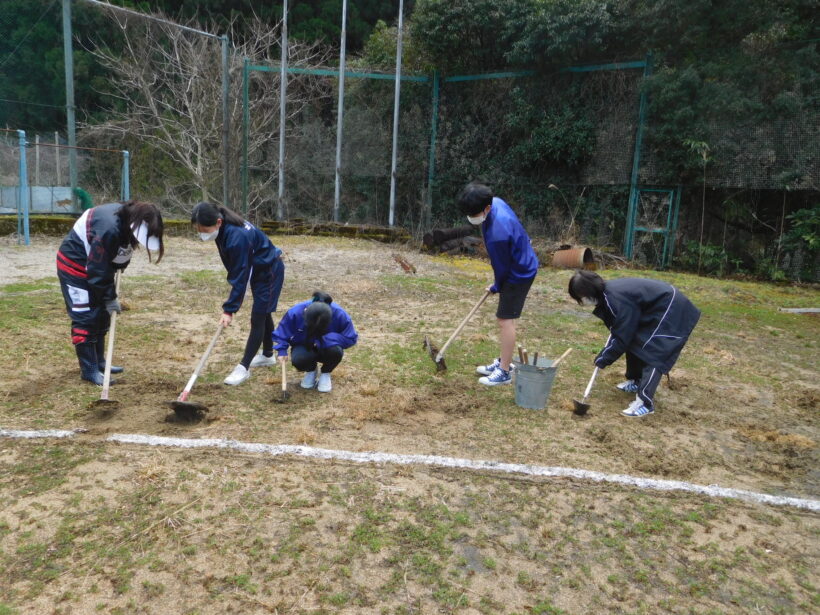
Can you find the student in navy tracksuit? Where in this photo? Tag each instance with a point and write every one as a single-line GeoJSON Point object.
{"type": "Point", "coordinates": [317, 332]}
{"type": "Point", "coordinates": [250, 257]}
{"type": "Point", "coordinates": [648, 320]}
{"type": "Point", "coordinates": [514, 267]}
{"type": "Point", "coordinates": [101, 242]}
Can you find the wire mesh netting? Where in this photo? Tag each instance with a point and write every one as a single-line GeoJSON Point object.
{"type": "Point", "coordinates": [48, 175]}
{"type": "Point", "coordinates": [652, 220]}
{"type": "Point", "coordinates": [310, 148]}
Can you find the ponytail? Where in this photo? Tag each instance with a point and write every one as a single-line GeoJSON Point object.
{"type": "Point", "coordinates": [321, 297]}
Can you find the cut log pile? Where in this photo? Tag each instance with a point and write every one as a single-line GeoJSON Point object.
{"type": "Point", "coordinates": [456, 240]}
{"type": "Point", "coordinates": [298, 226]}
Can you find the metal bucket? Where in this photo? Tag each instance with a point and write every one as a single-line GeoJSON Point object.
{"type": "Point", "coordinates": [574, 258]}
{"type": "Point", "coordinates": [533, 383]}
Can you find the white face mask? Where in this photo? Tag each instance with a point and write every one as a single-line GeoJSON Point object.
{"type": "Point", "coordinates": [588, 301]}
{"type": "Point", "coordinates": [209, 236]}
{"type": "Point", "coordinates": [477, 219]}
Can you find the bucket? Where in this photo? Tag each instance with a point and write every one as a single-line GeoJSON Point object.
{"type": "Point", "coordinates": [533, 383]}
{"type": "Point", "coordinates": [574, 258]}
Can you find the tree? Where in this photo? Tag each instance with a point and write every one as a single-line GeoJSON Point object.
{"type": "Point", "coordinates": [168, 81]}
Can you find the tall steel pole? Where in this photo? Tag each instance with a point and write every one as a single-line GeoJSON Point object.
{"type": "Point", "coordinates": [226, 120]}
{"type": "Point", "coordinates": [69, 96]}
{"type": "Point", "coordinates": [23, 196]}
{"type": "Point", "coordinates": [396, 100]}
{"type": "Point", "coordinates": [340, 117]}
{"type": "Point", "coordinates": [283, 88]}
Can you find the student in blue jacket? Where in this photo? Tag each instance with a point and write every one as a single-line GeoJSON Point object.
{"type": "Point", "coordinates": [648, 320]}
{"type": "Point", "coordinates": [250, 258]}
{"type": "Point", "coordinates": [514, 267]}
{"type": "Point", "coordinates": [100, 243]}
{"type": "Point", "coordinates": [317, 332]}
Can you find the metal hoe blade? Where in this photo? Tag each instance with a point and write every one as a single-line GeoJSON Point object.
{"type": "Point", "coordinates": [441, 366]}
{"type": "Point", "coordinates": [188, 411]}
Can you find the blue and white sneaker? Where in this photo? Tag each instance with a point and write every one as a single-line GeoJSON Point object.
{"type": "Point", "coordinates": [628, 386]}
{"type": "Point", "coordinates": [486, 370]}
{"type": "Point", "coordinates": [637, 408]}
{"type": "Point", "coordinates": [499, 376]}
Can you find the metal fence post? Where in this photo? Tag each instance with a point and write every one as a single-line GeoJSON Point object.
{"type": "Point", "coordinates": [69, 97]}
{"type": "Point", "coordinates": [396, 104]}
{"type": "Point", "coordinates": [431, 162]}
{"type": "Point", "coordinates": [245, 120]}
{"type": "Point", "coordinates": [126, 170]}
{"type": "Point", "coordinates": [340, 117]}
{"type": "Point", "coordinates": [632, 208]}
{"type": "Point", "coordinates": [22, 200]}
{"type": "Point", "coordinates": [283, 99]}
{"type": "Point", "coordinates": [226, 119]}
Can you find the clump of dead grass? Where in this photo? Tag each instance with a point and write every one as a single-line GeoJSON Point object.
{"type": "Point", "coordinates": [776, 437]}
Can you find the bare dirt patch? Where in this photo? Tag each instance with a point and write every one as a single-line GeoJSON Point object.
{"type": "Point", "coordinates": [740, 411]}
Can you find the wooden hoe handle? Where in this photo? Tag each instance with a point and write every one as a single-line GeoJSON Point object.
{"type": "Point", "coordinates": [440, 354]}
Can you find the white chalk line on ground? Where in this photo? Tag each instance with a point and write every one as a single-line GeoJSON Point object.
{"type": "Point", "coordinates": [439, 462]}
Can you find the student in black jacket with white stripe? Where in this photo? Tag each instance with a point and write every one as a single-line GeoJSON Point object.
{"type": "Point", "coordinates": [100, 243]}
{"type": "Point", "coordinates": [250, 258]}
{"type": "Point", "coordinates": [649, 321]}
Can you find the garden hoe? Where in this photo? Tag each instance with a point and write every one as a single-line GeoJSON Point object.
{"type": "Point", "coordinates": [190, 410]}
{"type": "Point", "coordinates": [580, 407]}
{"type": "Point", "coordinates": [285, 395]}
{"type": "Point", "coordinates": [438, 355]}
{"type": "Point", "coordinates": [103, 404]}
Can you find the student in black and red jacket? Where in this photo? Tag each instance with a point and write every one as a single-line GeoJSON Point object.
{"type": "Point", "coordinates": [648, 320]}
{"type": "Point", "coordinates": [100, 243]}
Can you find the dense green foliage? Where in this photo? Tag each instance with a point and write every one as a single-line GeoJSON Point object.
{"type": "Point", "coordinates": [31, 45]}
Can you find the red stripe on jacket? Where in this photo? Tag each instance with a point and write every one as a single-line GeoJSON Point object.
{"type": "Point", "coordinates": [70, 271]}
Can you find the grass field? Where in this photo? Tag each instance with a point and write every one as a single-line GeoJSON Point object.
{"type": "Point", "coordinates": [91, 526]}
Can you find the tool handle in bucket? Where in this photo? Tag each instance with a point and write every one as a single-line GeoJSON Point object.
{"type": "Point", "coordinates": [202, 361]}
{"type": "Point", "coordinates": [591, 381]}
{"type": "Point", "coordinates": [562, 357]}
{"type": "Point", "coordinates": [109, 353]}
{"type": "Point", "coordinates": [440, 354]}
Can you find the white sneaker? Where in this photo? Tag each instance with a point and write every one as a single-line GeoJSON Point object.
{"type": "Point", "coordinates": [324, 385]}
{"type": "Point", "coordinates": [238, 375]}
{"type": "Point", "coordinates": [309, 380]}
{"type": "Point", "coordinates": [635, 403]}
{"type": "Point", "coordinates": [261, 360]}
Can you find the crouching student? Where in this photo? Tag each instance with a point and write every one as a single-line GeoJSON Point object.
{"type": "Point", "coordinates": [317, 332]}
{"type": "Point", "coordinates": [250, 258]}
{"type": "Point", "coordinates": [648, 320]}
{"type": "Point", "coordinates": [100, 243]}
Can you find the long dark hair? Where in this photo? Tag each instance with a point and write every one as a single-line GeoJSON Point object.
{"type": "Point", "coordinates": [206, 214]}
{"type": "Point", "coordinates": [318, 315]}
{"type": "Point", "coordinates": [586, 284]}
{"type": "Point", "coordinates": [133, 213]}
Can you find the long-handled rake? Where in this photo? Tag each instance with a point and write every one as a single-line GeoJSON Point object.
{"type": "Point", "coordinates": [438, 355]}
{"type": "Point", "coordinates": [191, 410]}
